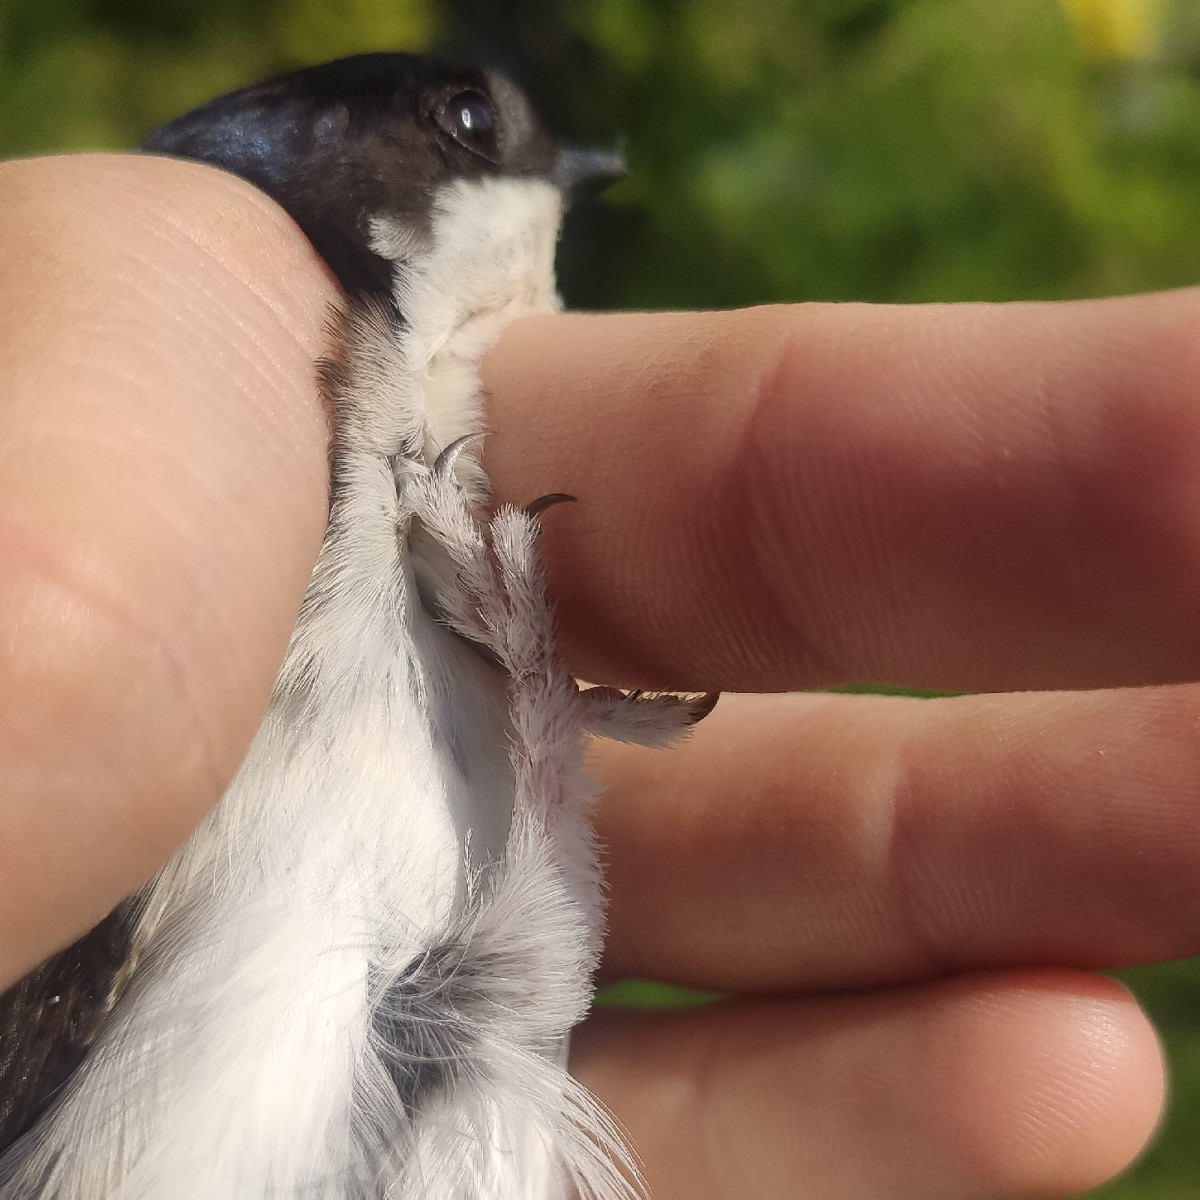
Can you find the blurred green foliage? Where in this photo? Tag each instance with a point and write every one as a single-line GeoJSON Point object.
{"type": "Point", "coordinates": [885, 150]}
{"type": "Point", "coordinates": [892, 150]}
{"type": "Point", "coordinates": [1171, 1169]}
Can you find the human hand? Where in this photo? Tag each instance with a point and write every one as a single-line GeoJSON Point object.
{"type": "Point", "coordinates": [962, 498]}
{"type": "Point", "coordinates": [956, 497]}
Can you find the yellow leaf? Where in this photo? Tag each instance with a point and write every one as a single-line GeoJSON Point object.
{"type": "Point", "coordinates": [1117, 28]}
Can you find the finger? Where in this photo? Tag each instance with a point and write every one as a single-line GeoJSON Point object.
{"type": "Point", "coordinates": [844, 841]}
{"type": "Point", "coordinates": [963, 497]}
{"type": "Point", "coordinates": [987, 1087]}
{"type": "Point", "coordinates": [162, 481]}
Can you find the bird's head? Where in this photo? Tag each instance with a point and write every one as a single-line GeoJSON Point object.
{"type": "Point", "coordinates": [365, 152]}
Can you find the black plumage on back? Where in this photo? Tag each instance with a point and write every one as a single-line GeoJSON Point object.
{"type": "Point", "coordinates": [50, 1019]}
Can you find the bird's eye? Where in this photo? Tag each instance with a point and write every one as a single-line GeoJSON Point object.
{"type": "Point", "coordinates": [470, 119]}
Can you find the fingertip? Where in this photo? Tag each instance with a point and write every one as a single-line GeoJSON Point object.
{"type": "Point", "coordinates": [1055, 1083]}
{"type": "Point", "coordinates": [1017, 1084]}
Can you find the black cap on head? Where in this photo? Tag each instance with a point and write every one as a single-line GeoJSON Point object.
{"type": "Point", "coordinates": [376, 134]}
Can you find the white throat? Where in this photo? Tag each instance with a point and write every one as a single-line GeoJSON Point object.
{"type": "Point", "coordinates": [488, 258]}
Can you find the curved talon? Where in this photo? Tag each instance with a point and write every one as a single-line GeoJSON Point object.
{"type": "Point", "coordinates": [700, 708]}
{"type": "Point", "coordinates": [535, 508]}
{"type": "Point", "coordinates": [444, 463]}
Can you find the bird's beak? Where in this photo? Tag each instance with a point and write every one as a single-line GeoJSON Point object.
{"type": "Point", "coordinates": [581, 170]}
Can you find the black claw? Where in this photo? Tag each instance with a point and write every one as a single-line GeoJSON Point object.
{"type": "Point", "coordinates": [444, 463]}
{"type": "Point", "coordinates": [535, 508]}
{"type": "Point", "coordinates": [700, 708]}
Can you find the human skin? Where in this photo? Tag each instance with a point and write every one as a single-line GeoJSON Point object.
{"type": "Point", "coordinates": [906, 897]}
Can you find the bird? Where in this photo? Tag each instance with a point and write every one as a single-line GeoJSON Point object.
{"type": "Point", "coordinates": [357, 978]}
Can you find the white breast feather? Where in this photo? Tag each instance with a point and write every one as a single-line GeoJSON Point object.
{"type": "Point", "coordinates": [358, 975]}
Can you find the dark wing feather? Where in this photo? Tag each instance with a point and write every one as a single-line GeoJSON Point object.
{"type": "Point", "coordinates": [50, 1019]}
